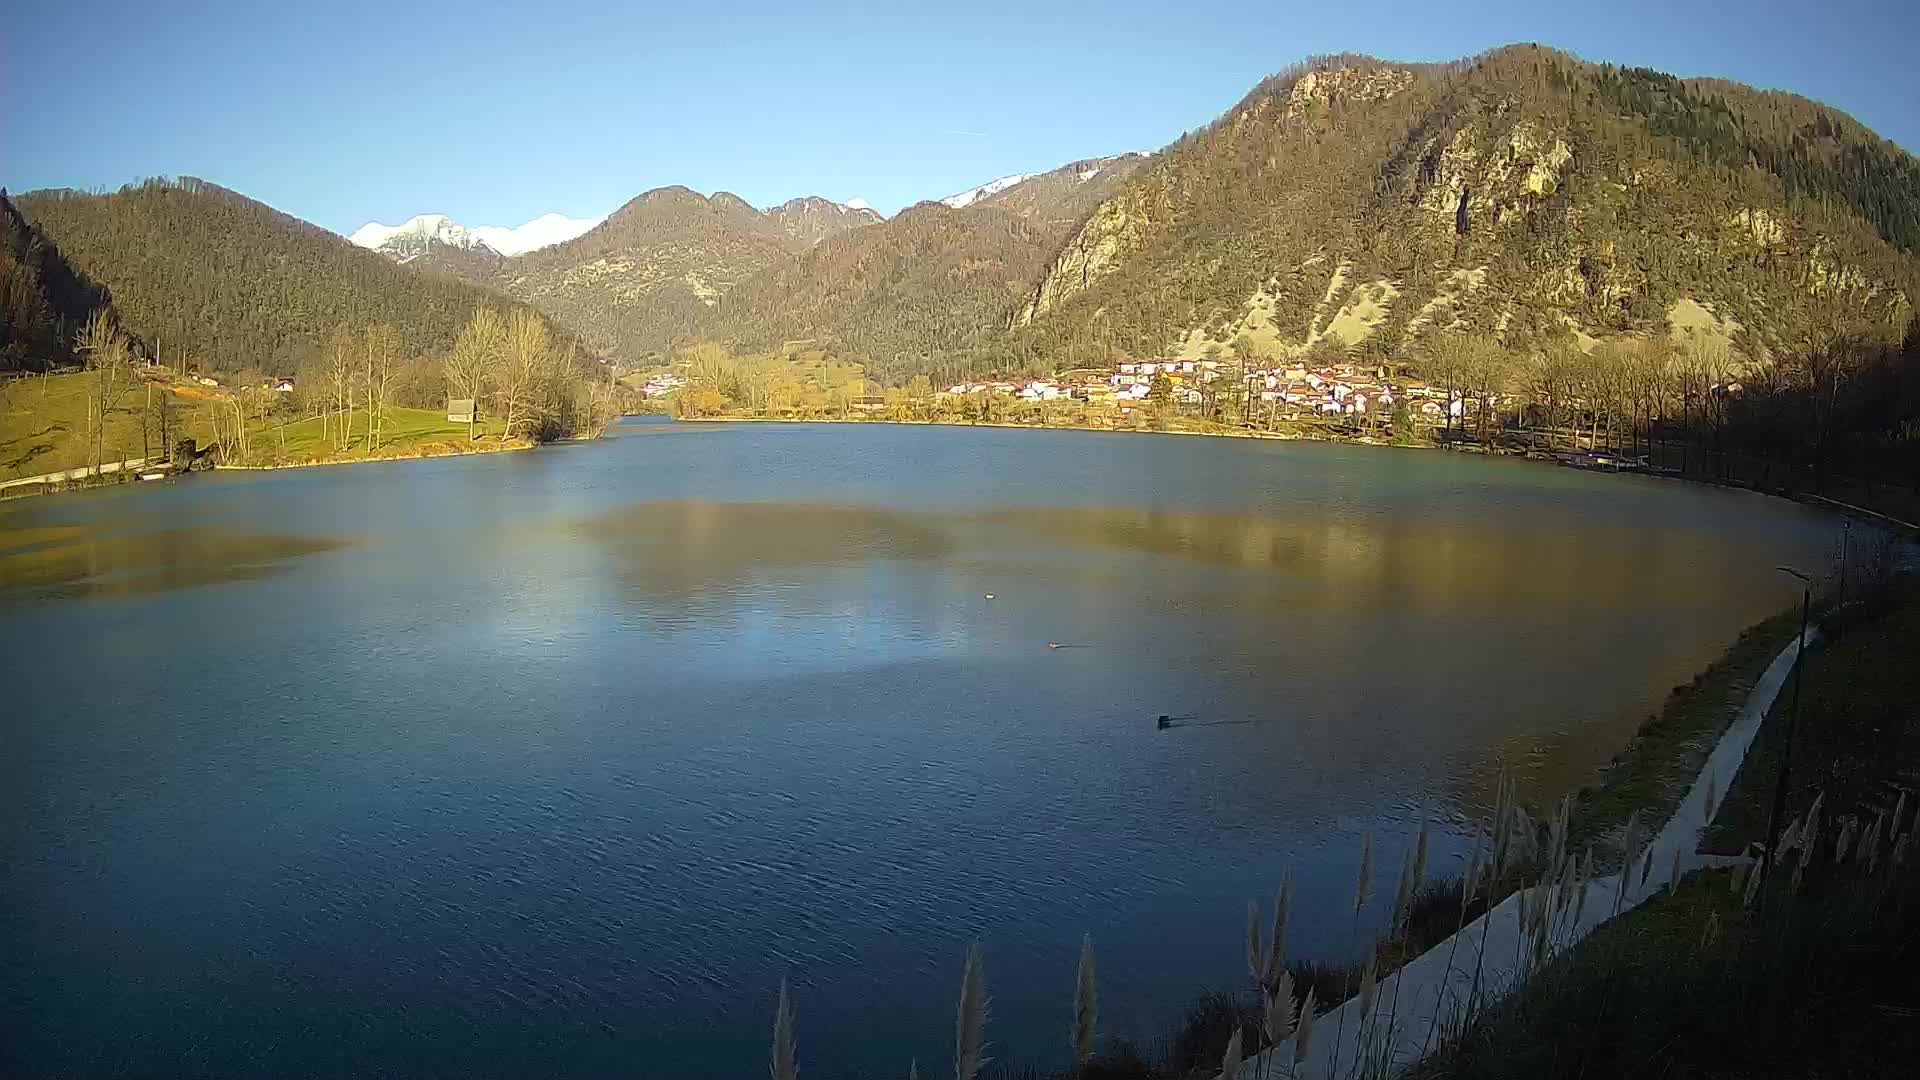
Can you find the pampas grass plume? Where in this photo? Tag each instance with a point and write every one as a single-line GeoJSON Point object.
{"type": "Point", "coordinates": [1303, 1039]}
{"type": "Point", "coordinates": [1369, 983]}
{"type": "Point", "coordinates": [1282, 903]}
{"type": "Point", "coordinates": [783, 1066]}
{"type": "Point", "coordinates": [1230, 1064]}
{"type": "Point", "coordinates": [1363, 888]}
{"type": "Point", "coordinates": [970, 1019]}
{"type": "Point", "coordinates": [1256, 957]}
{"type": "Point", "coordinates": [1280, 1018]}
{"type": "Point", "coordinates": [1402, 894]}
{"type": "Point", "coordinates": [1086, 1004]}
{"type": "Point", "coordinates": [1419, 875]}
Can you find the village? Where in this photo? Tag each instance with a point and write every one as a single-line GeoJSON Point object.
{"type": "Point", "coordinates": [1289, 390]}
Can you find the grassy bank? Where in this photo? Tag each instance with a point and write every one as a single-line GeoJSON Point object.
{"type": "Point", "coordinates": [1857, 740]}
{"type": "Point", "coordinates": [44, 425]}
{"type": "Point", "coordinates": [1812, 974]}
{"type": "Point", "coordinates": [404, 433]}
{"type": "Point", "coordinates": [45, 428]}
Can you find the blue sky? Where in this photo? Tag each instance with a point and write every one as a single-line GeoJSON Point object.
{"type": "Point", "coordinates": [342, 112]}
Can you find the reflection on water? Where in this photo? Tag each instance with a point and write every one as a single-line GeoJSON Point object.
{"type": "Point", "coordinates": [564, 756]}
{"type": "Point", "coordinates": [683, 546]}
{"type": "Point", "coordinates": [1399, 560]}
{"type": "Point", "coordinates": [69, 562]}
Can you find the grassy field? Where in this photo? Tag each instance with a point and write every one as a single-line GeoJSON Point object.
{"type": "Point", "coordinates": [43, 429]}
{"type": "Point", "coordinates": [43, 424]}
{"type": "Point", "coordinates": [404, 433]}
{"type": "Point", "coordinates": [1858, 736]}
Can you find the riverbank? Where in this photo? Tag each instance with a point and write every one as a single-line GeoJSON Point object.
{"type": "Point", "coordinates": [396, 453]}
{"type": "Point", "coordinates": [1661, 778]}
{"type": "Point", "coordinates": [1809, 974]}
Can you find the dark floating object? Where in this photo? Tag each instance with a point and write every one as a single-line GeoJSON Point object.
{"type": "Point", "coordinates": [1163, 722]}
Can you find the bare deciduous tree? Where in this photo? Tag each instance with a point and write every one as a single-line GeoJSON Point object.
{"type": "Point", "coordinates": [476, 353]}
{"type": "Point", "coordinates": [108, 376]}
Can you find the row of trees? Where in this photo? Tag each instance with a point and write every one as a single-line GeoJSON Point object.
{"type": "Point", "coordinates": [1848, 403]}
{"type": "Point", "coordinates": [537, 389]}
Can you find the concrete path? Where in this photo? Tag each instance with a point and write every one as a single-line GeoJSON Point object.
{"type": "Point", "coordinates": [1441, 980]}
{"type": "Point", "coordinates": [75, 473]}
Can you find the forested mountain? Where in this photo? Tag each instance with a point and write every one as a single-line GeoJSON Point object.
{"type": "Point", "coordinates": [1522, 194]}
{"type": "Point", "coordinates": [911, 294]}
{"type": "Point", "coordinates": [812, 219]}
{"type": "Point", "coordinates": [43, 299]}
{"type": "Point", "coordinates": [929, 290]}
{"type": "Point", "coordinates": [643, 277]}
{"type": "Point", "coordinates": [1066, 195]}
{"type": "Point", "coordinates": [205, 274]}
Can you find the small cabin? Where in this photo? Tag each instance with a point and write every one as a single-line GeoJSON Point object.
{"type": "Point", "coordinates": [461, 411]}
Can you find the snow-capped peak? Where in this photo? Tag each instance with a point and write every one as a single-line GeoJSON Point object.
{"type": "Point", "coordinates": [856, 204]}
{"type": "Point", "coordinates": [435, 227]}
{"type": "Point", "coordinates": [993, 187]}
{"type": "Point", "coordinates": [543, 231]}
{"type": "Point", "coordinates": [417, 232]}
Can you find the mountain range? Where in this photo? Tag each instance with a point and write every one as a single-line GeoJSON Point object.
{"type": "Point", "coordinates": [417, 235]}
{"type": "Point", "coordinates": [1347, 204]}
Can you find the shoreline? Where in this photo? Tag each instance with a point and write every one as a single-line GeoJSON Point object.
{"type": "Point", "coordinates": [1804, 498]}
{"type": "Point", "coordinates": [498, 448]}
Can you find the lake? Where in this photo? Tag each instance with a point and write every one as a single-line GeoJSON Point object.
{"type": "Point", "coordinates": [556, 762]}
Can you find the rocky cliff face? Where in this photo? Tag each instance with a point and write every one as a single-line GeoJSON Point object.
{"type": "Point", "coordinates": [1117, 228]}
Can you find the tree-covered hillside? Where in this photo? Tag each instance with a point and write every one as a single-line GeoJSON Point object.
{"type": "Point", "coordinates": [225, 283]}
{"type": "Point", "coordinates": [43, 300]}
{"type": "Point", "coordinates": [910, 295]}
{"type": "Point", "coordinates": [1523, 193]}
{"type": "Point", "coordinates": [644, 277]}
{"type": "Point", "coordinates": [926, 292]}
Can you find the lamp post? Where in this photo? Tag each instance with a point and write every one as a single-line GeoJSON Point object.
{"type": "Point", "coordinates": [1793, 718]}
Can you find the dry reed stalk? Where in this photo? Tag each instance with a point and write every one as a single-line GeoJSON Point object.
{"type": "Point", "coordinates": [970, 1018]}
{"type": "Point", "coordinates": [1868, 850]}
{"type": "Point", "coordinates": [1419, 876]}
{"type": "Point", "coordinates": [1230, 1063]}
{"type": "Point", "coordinates": [1673, 876]}
{"type": "Point", "coordinates": [783, 1066]}
{"type": "Point", "coordinates": [1710, 933]}
{"type": "Point", "coordinates": [1363, 886]}
{"type": "Point", "coordinates": [1401, 895]}
{"type": "Point", "coordinates": [1646, 868]}
{"type": "Point", "coordinates": [1303, 1037]}
{"type": "Point", "coordinates": [1256, 957]}
{"type": "Point", "coordinates": [1362, 891]}
{"type": "Point", "coordinates": [1629, 851]}
{"type": "Point", "coordinates": [1282, 902]}
{"type": "Point", "coordinates": [1086, 1004]}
